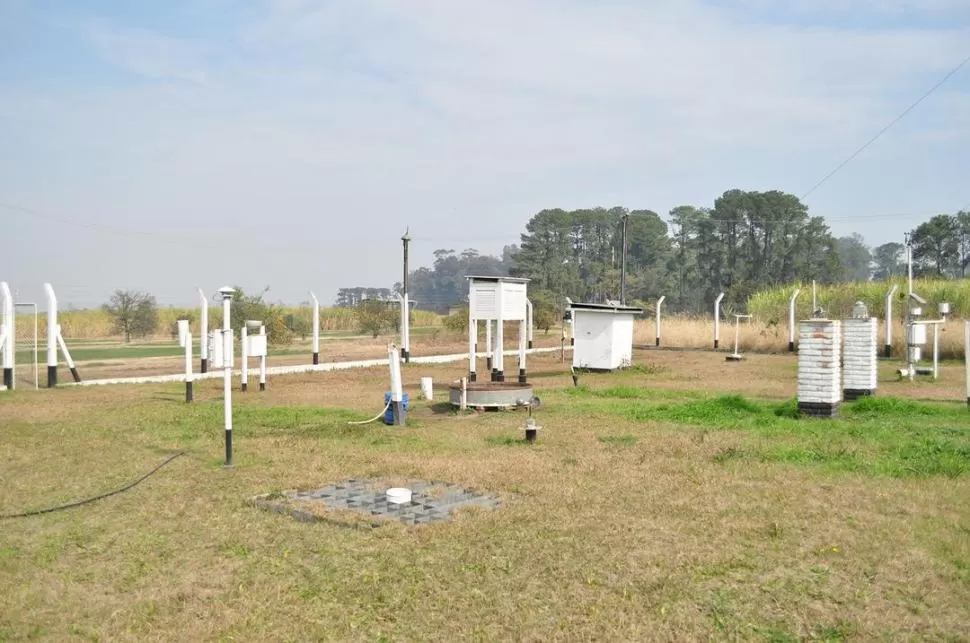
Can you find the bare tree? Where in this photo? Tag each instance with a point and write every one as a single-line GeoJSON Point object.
{"type": "Point", "coordinates": [133, 313]}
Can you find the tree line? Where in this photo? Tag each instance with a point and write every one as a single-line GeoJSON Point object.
{"type": "Point", "coordinates": [748, 241]}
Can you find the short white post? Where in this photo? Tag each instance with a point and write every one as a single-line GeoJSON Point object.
{"type": "Point", "coordinates": [185, 339]}
{"type": "Point", "coordinates": [227, 293]}
{"type": "Point", "coordinates": [966, 358]}
{"type": "Point", "coordinates": [472, 340]}
{"type": "Point", "coordinates": [51, 336]}
{"type": "Point", "coordinates": [397, 389]}
{"type": "Point", "coordinates": [244, 367]}
{"type": "Point", "coordinates": [316, 329]}
{"type": "Point", "coordinates": [262, 359]}
{"type": "Point", "coordinates": [791, 320]}
{"type": "Point", "coordinates": [9, 324]}
{"type": "Point", "coordinates": [203, 332]}
{"type": "Point", "coordinates": [936, 351]}
{"type": "Point", "coordinates": [523, 343]}
{"type": "Point", "coordinates": [717, 320]}
{"type": "Point", "coordinates": [463, 403]}
{"type": "Point", "coordinates": [888, 349]}
{"type": "Point", "coordinates": [660, 302]}
{"type": "Point", "coordinates": [529, 320]}
{"type": "Point", "coordinates": [489, 362]}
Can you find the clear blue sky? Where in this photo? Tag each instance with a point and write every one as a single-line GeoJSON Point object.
{"type": "Point", "coordinates": [310, 133]}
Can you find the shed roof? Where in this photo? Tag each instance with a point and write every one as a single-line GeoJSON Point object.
{"type": "Point", "coordinates": [518, 280]}
{"type": "Point", "coordinates": [606, 308]}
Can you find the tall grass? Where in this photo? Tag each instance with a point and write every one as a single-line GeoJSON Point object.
{"type": "Point", "coordinates": [97, 324]}
{"type": "Point", "coordinates": [837, 299]}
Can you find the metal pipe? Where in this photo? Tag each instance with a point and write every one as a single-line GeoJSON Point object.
{"type": "Point", "coordinates": [262, 358]}
{"type": "Point", "coordinates": [9, 324]}
{"type": "Point", "coordinates": [204, 332]}
{"type": "Point", "coordinates": [499, 359]}
{"type": "Point", "coordinates": [530, 320]}
{"type": "Point", "coordinates": [717, 320]}
{"type": "Point", "coordinates": [659, 304]}
{"type": "Point", "coordinates": [888, 349]}
{"type": "Point", "coordinates": [187, 343]}
{"type": "Point", "coordinates": [472, 341]}
{"type": "Point", "coordinates": [489, 361]}
{"type": "Point", "coordinates": [523, 343]}
{"type": "Point", "coordinates": [67, 355]}
{"type": "Point", "coordinates": [243, 343]}
{"type": "Point", "coordinates": [227, 293]}
{"type": "Point", "coordinates": [51, 336]}
{"type": "Point", "coordinates": [316, 328]}
{"type": "Point", "coordinates": [791, 320]}
{"type": "Point", "coordinates": [936, 351]}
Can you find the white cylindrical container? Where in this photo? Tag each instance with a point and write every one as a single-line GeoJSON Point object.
{"type": "Point", "coordinates": [427, 389]}
{"type": "Point", "coordinates": [916, 334]}
{"type": "Point", "coordinates": [399, 495]}
{"type": "Point", "coordinates": [944, 308]}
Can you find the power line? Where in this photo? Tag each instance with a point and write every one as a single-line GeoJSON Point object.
{"type": "Point", "coordinates": [887, 127]}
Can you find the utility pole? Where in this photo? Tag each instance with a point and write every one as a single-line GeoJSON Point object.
{"type": "Point", "coordinates": [623, 261]}
{"type": "Point", "coordinates": [406, 313]}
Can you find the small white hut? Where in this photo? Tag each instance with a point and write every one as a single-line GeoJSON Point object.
{"type": "Point", "coordinates": [603, 336]}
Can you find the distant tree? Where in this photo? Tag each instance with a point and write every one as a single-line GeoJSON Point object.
{"type": "Point", "coordinates": [889, 260]}
{"type": "Point", "coordinates": [350, 297]}
{"type": "Point", "coordinates": [253, 307]}
{"type": "Point", "coordinates": [458, 320]}
{"type": "Point", "coordinates": [188, 316]}
{"type": "Point", "coordinates": [132, 313]}
{"type": "Point", "coordinates": [544, 309]}
{"type": "Point", "coordinates": [375, 317]}
{"type": "Point", "coordinates": [855, 256]}
{"type": "Point", "coordinates": [936, 246]}
{"type": "Point", "coordinates": [299, 323]}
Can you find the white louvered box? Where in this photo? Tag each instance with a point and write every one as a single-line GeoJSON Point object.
{"type": "Point", "coordinates": [861, 357]}
{"type": "Point", "coordinates": [819, 370]}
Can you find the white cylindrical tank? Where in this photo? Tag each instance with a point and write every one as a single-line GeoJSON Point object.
{"type": "Point", "coordinates": [427, 388]}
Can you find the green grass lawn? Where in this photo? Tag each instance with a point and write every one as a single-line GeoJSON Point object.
{"type": "Point", "coordinates": [641, 513]}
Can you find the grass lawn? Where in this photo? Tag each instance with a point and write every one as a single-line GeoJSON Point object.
{"type": "Point", "coordinates": [680, 500]}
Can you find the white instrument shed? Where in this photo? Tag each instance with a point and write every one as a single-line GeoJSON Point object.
{"type": "Point", "coordinates": [490, 296]}
{"type": "Point", "coordinates": [603, 336]}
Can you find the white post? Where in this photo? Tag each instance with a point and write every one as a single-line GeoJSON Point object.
{"type": "Point", "coordinates": [717, 320]}
{"type": "Point", "coordinates": [936, 351]}
{"type": "Point", "coordinates": [262, 360]}
{"type": "Point", "coordinates": [523, 342]}
{"type": "Point", "coordinates": [204, 332]}
{"type": "Point", "coordinates": [791, 320]}
{"type": "Point", "coordinates": [51, 336]}
{"type": "Point", "coordinates": [403, 303]}
{"type": "Point", "coordinates": [499, 347]}
{"type": "Point", "coordinates": [407, 329]}
{"type": "Point", "coordinates": [660, 302]}
{"type": "Point", "coordinates": [966, 358]}
{"type": "Point", "coordinates": [472, 340]}
{"type": "Point", "coordinates": [397, 389]}
{"type": "Point", "coordinates": [227, 293]}
{"type": "Point", "coordinates": [244, 367]}
{"type": "Point", "coordinates": [463, 404]}
{"type": "Point", "coordinates": [316, 328]}
{"type": "Point", "coordinates": [67, 355]}
{"type": "Point", "coordinates": [888, 349]}
{"type": "Point", "coordinates": [529, 320]}
{"type": "Point", "coordinates": [185, 338]}
{"type": "Point", "coordinates": [9, 324]}
{"type": "Point", "coordinates": [489, 361]}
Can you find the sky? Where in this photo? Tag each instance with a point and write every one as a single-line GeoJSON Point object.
{"type": "Point", "coordinates": [165, 146]}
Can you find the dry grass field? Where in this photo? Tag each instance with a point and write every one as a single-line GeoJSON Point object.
{"type": "Point", "coordinates": [678, 500]}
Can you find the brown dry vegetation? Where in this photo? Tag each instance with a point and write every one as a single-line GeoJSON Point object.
{"type": "Point", "coordinates": [619, 524]}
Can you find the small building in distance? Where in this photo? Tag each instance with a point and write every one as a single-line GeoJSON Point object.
{"type": "Point", "coordinates": [603, 336]}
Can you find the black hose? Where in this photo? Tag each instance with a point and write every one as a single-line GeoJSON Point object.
{"type": "Point", "coordinates": [37, 512]}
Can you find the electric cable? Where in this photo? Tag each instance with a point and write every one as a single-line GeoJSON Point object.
{"type": "Point", "coordinates": [78, 503]}
{"type": "Point", "coordinates": [375, 418]}
{"type": "Point", "coordinates": [885, 129]}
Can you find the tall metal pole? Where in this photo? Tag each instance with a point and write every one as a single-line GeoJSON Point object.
{"type": "Point", "coordinates": [910, 364]}
{"type": "Point", "coordinates": [623, 261]}
{"type": "Point", "coordinates": [406, 349]}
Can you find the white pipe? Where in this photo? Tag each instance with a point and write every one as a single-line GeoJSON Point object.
{"type": "Point", "coordinates": [262, 359]}
{"type": "Point", "coordinates": [717, 319]}
{"type": "Point", "coordinates": [472, 339]}
{"type": "Point", "coordinates": [10, 324]}
{"type": "Point", "coordinates": [523, 347]}
{"type": "Point", "coordinates": [316, 328]}
{"type": "Point", "coordinates": [403, 303]}
{"type": "Point", "coordinates": [530, 321]}
{"type": "Point", "coordinates": [488, 343]}
{"type": "Point", "coordinates": [889, 319]}
{"type": "Point", "coordinates": [966, 358]}
{"type": "Point", "coordinates": [51, 327]}
{"type": "Point", "coordinates": [463, 404]}
{"type": "Point", "coordinates": [204, 330]}
{"type": "Point", "coordinates": [936, 351]}
{"type": "Point", "coordinates": [660, 303]}
{"type": "Point", "coordinates": [407, 326]}
{"type": "Point", "coordinates": [243, 341]}
{"type": "Point", "coordinates": [227, 370]}
{"type": "Point", "coordinates": [394, 359]}
{"type": "Point", "coordinates": [67, 354]}
{"type": "Point", "coordinates": [791, 319]}
{"type": "Point", "coordinates": [499, 358]}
